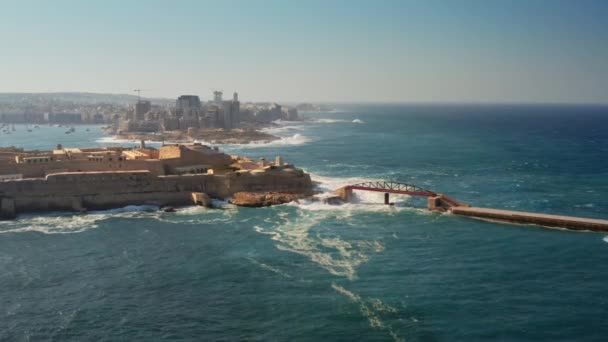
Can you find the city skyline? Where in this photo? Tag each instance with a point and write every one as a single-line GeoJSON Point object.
{"type": "Point", "coordinates": [361, 51]}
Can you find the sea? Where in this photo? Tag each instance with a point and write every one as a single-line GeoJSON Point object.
{"type": "Point", "coordinates": [361, 271]}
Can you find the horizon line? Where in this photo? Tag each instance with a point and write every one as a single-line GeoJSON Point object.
{"type": "Point", "coordinates": [404, 102]}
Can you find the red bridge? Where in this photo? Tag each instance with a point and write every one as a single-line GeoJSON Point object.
{"type": "Point", "coordinates": [387, 188]}
{"type": "Point", "coordinates": [393, 188]}
{"type": "Point", "coordinates": [443, 203]}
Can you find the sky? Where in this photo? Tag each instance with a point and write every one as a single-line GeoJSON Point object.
{"type": "Point", "coordinates": [316, 51]}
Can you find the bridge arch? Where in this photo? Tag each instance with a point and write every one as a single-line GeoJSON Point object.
{"type": "Point", "coordinates": [386, 187]}
{"type": "Point", "coordinates": [393, 188]}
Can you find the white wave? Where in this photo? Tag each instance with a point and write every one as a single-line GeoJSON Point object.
{"type": "Point", "coordinates": [280, 130]}
{"type": "Point", "coordinates": [358, 121]}
{"type": "Point", "coordinates": [339, 257]}
{"type": "Point", "coordinates": [606, 239]}
{"type": "Point", "coordinates": [270, 268]}
{"type": "Point", "coordinates": [322, 120]}
{"type": "Point", "coordinates": [362, 200]}
{"type": "Point", "coordinates": [352, 296]}
{"type": "Point", "coordinates": [113, 140]}
{"type": "Point", "coordinates": [51, 224]}
{"type": "Point", "coordinates": [296, 139]}
{"type": "Point", "coordinates": [197, 215]}
{"type": "Point", "coordinates": [373, 309]}
{"type": "Point", "coordinates": [65, 222]}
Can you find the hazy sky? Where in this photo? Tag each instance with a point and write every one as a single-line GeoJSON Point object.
{"type": "Point", "coordinates": [486, 50]}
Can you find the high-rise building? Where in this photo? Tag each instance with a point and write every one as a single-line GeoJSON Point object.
{"type": "Point", "coordinates": [188, 102]}
{"type": "Point", "coordinates": [141, 108]}
{"type": "Point", "coordinates": [217, 97]}
{"type": "Point", "coordinates": [188, 109]}
{"type": "Point", "coordinates": [231, 112]}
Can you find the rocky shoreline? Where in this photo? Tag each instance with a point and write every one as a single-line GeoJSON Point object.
{"type": "Point", "coordinates": [264, 199]}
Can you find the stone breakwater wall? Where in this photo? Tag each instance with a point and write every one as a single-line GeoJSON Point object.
{"type": "Point", "coordinates": [567, 222]}
{"type": "Point", "coordinates": [104, 190]}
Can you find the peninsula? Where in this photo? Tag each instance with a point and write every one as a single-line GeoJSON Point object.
{"type": "Point", "coordinates": [80, 179]}
{"type": "Point", "coordinates": [183, 120]}
{"type": "Point", "coordinates": [215, 121]}
{"type": "Point", "coordinates": [212, 136]}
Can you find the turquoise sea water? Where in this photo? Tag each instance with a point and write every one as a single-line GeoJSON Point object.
{"type": "Point", "coordinates": [362, 271]}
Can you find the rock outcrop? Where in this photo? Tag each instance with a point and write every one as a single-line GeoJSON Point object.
{"type": "Point", "coordinates": [263, 199]}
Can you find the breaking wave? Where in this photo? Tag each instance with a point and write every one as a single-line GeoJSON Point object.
{"type": "Point", "coordinates": [68, 222]}
{"type": "Point", "coordinates": [363, 201]}
{"type": "Point", "coordinates": [358, 121]}
{"type": "Point", "coordinates": [281, 129]}
{"type": "Point", "coordinates": [296, 139]}
{"type": "Point", "coordinates": [65, 222]}
{"type": "Point", "coordinates": [321, 120]}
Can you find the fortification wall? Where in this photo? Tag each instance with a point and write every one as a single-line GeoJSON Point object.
{"type": "Point", "coordinates": [39, 170]}
{"type": "Point", "coordinates": [292, 180]}
{"type": "Point", "coordinates": [101, 190]}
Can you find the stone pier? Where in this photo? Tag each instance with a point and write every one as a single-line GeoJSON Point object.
{"type": "Point", "coordinates": [443, 203]}
{"type": "Point", "coordinates": [558, 221]}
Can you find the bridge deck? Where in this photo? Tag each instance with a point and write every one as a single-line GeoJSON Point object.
{"type": "Point", "coordinates": [570, 222]}
{"type": "Point", "coordinates": [392, 191]}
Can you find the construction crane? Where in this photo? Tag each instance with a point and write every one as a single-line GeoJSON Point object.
{"type": "Point", "coordinates": [138, 91]}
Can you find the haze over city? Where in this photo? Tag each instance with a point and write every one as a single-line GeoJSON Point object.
{"type": "Point", "coordinates": [324, 51]}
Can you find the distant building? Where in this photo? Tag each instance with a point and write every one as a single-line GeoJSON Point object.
{"type": "Point", "coordinates": [141, 108]}
{"type": "Point", "coordinates": [212, 117]}
{"type": "Point", "coordinates": [188, 109]}
{"type": "Point", "coordinates": [231, 112]}
{"type": "Point", "coordinates": [63, 118]}
{"type": "Point", "coordinates": [188, 102]}
{"type": "Point", "coordinates": [217, 97]}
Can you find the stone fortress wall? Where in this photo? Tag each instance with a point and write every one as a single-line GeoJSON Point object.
{"type": "Point", "coordinates": [91, 185]}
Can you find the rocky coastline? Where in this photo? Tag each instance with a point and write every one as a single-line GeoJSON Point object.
{"type": "Point", "coordinates": [264, 199]}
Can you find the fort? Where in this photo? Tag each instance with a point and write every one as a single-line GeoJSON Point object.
{"type": "Point", "coordinates": [80, 179]}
